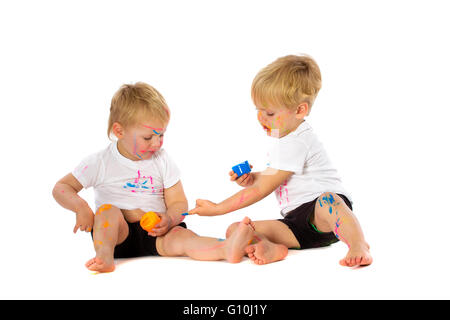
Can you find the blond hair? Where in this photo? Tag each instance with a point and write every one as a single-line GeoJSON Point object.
{"type": "Point", "coordinates": [133, 102]}
{"type": "Point", "coordinates": [288, 81]}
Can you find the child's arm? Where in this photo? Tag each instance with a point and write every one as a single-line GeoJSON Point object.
{"type": "Point", "coordinates": [264, 183]}
{"type": "Point", "coordinates": [176, 204]}
{"type": "Point", "coordinates": [65, 193]}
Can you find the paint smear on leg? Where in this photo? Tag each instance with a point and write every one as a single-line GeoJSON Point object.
{"type": "Point", "coordinates": [104, 208]}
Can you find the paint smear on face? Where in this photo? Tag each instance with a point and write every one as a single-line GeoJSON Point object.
{"type": "Point", "coordinates": [135, 147]}
{"type": "Point", "coordinates": [151, 127]}
{"type": "Point", "coordinates": [154, 129]}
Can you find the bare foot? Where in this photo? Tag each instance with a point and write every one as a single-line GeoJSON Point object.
{"type": "Point", "coordinates": [236, 243]}
{"type": "Point", "coordinates": [265, 252]}
{"type": "Point", "coordinates": [357, 256]}
{"type": "Point", "coordinates": [101, 264]}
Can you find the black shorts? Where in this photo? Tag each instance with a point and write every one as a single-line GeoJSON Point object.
{"type": "Point", "coordinates": [138, 243]}
{"type": "Point", "coordinates": [299, 221]}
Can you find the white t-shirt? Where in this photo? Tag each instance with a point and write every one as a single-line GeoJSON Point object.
{"type": "Point", "coordinates": [301, 152]}
{"type": "Point", "coordinates": [125, 183]}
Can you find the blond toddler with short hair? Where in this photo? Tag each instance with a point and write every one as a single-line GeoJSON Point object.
{"type": "Point", "coordinates": [134, 175]}
{"type": "Point", "coordinates": [316, 210]}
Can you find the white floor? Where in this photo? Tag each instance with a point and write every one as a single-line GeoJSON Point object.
{"type": "Point", "coordinates": [40, 263]}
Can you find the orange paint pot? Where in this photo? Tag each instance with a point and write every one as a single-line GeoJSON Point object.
{"type": "Point", "coordinates": [149, 220]}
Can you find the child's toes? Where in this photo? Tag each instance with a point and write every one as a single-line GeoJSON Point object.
{"type": "Point", "coordinates": [89, 262]}
{"type": "Point", "coordinates": [346, 262]}
{"type": "Point", "coordinates": [96, 264]}
{"type": "Point", "coordinates": [361, 261]}
{"type": "Point", "coordinates": [250, 250]}
{"type": "Point", "coordinates": [365, 261]}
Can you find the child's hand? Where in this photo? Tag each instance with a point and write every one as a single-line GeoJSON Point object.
{"type": "Point", "coordinates": [205, 208]}
{"type": "Point", "coordinates": [85, 219]}
{"type": "Point", "coordinates": [162, 227]}
{"type": "Point", "coordinates": [245, 180]}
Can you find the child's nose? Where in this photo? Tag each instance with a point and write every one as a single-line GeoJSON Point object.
{"type": "Point", "coordinates": [156, 142]}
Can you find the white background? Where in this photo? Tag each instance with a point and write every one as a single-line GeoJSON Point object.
{"type": "Point", "coordinates": [382, 115]}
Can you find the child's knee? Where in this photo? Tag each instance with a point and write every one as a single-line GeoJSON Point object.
{"type": "Point", "coordinates": [172, 243]}
{"type": "Point", "coordinates": [329, 199]}
{"type": "Point", "coordinates": [326, 206]}
{"type": "Point", "coordinates": [178, 232]}
{"type": "Point", "coordinates": [231, 229]}
{"type": "Point", "coordinates": [107, 210]}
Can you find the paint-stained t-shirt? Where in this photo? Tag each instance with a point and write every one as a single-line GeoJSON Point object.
{"type": "Point", "coordinates": [302, 153]}
{"type": "Point", "coordinates": [128, 184]}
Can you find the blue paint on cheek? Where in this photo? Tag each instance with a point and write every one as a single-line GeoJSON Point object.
{"type": "Point", "coordinates": [320, 202]}
{"type": "Point", "coordinates": [331, 210]}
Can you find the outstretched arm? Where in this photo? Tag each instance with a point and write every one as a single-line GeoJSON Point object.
{"type": "Point", "coordinates": [264, 184]}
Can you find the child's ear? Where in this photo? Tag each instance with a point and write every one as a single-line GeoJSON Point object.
{"type": "Point", "coordinates": [302, 110]}
{"type": "Point", "coordinates": [117, 130]}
